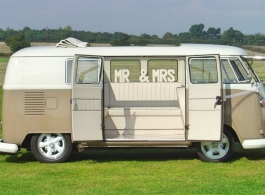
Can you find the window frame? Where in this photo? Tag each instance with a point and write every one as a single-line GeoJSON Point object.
{"type": "Point", "coordinates": [67, 71]}
{"type": "Point", "coordinates": [99, 67]}
{"type": "Point", "coordinates": [203, 58]}
{"type": "Point", "coordinates": [222, 67]}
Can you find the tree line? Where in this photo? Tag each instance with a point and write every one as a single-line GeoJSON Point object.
{"type": "Point", "coordinates": [196, 34]}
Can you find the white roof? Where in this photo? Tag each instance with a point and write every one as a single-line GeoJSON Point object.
{"type": "Point", "coordinates": [183, 50]}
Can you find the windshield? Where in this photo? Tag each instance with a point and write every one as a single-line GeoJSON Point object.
{"type": "Point", "coordinates": [233, 71]}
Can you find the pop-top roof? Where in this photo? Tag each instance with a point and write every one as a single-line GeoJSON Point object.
{"type": "Point", "coordinates": [71, 43]}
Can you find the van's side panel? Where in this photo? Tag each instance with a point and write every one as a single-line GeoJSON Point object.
{"type": "Point", "coordinates": [36, 98]}
{"type": "Point", "coordinates": [243, 113]}
{"type": "Point", "coordinates": [35, 111]}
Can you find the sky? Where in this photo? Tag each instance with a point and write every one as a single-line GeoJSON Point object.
{"type": "Point", "coordinates": [134, 17]}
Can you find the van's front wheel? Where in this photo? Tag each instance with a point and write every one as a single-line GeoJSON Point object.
{"type": "Point", "coordinates": [217, 151]}
{"type": "Point", "coordinates": [51, 147]}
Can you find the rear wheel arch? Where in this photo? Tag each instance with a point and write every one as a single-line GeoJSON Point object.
{"type": "Point", "coordinates": [26, 141]}
{"type": "Point", "coordinates": [232, 131]}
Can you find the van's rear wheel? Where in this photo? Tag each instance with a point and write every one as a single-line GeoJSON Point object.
{"type": "Point", "coordinates": [51, 147]}
{"type": "Point", "coordinates": [217, 151]}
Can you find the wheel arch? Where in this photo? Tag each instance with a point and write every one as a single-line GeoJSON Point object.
{"type": "Point", "coordinates": [232, 131]}
{"type": "Point", "coordinates": [27, 139]}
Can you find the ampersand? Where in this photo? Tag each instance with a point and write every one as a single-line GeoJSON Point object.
{"type": "Point", "coordinates": [143, 77]}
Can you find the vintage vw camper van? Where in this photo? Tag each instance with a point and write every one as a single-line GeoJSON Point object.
{"type": "Point", "coordinates": [56, 100]}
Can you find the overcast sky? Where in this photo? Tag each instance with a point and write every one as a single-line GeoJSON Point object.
{"type": "Point", "coordinates": [134, 16]}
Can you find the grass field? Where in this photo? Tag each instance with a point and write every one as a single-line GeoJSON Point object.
{"type": "Point", "coordinates": [259, 68]}
{"type": "Point", "coordinates": [133, 171]}
{"type": "Point", "coordinates": [4, 48]}
{"type": "Point", "coordinates": [3, 64]}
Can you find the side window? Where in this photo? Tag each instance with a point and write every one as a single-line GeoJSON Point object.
{"type": "Point", "coordinates": [88, 71]}
{"type": "Point", "coordinates": [203, 70]}
{"type": "Point", "coordinates": [227, 72]}
{"type": "Point", "coordinates": [239, 70]}
{"type": "Point", "coordinates": [125, 70]}
{"type": "Point", "coordinates": [162, 70]}
{"type": "Point", "coordinates": [68, 71]}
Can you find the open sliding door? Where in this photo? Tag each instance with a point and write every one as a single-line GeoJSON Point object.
{"type": "Point", "coordinates": [87, 96]}
{"type": "Point", "coordinates": [204, 95]}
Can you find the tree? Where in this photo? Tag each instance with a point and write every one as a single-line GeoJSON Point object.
{"type": "Point", "coordinates": [142, 42]}
{"type": "Point", "coordinates": [117, 35]}
{"type": "Point", "coordinates": [196, 34]}
{"type": "Point", "coordinates": [103, 37]}
{"type": "Point", "coordinates": [184, 37]}
{"type": "Point", "coordinates": [232, 37]}
{"type": "Point", "coordinates": [169, 38]}
{"type": "Point", "coordinates": [2, 34]}
{"type": "Point", "coordinates": [196, 30]}
{"type": "Point", "coordinates": [27, 32]}
{"type": "Point", "coordinates": [17, 42]}
{"type": "Point", "coordinates": [145, 36]}
{"type": "Point", "coordinates": [66, 32]}
{"type": "Point", "coordinates": [154, 37]}
{"type": "Point", "coordinates": [68, 28]}
{"type": "Point", "coordinates": [259, 39]}
{"type": "Point", "coordinates": [123, 41]}
{"type": "Point", "coordinates": [90, 37]}
{"type": "Point", "coordinates": [213, 33]}
{"type": "Point", "coordinates": [168, 35]}
{"type": "Point", "coordinates": [10, 32]}
{"type": "Point", "coordinates": [26, 29]}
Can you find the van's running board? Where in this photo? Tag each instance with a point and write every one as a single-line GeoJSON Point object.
{"type": "Point", "coordinates": [144, 140]}
{"type": "Point", "coordinates": [139, 144]}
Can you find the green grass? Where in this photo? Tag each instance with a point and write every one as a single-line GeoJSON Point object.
{"type": "Point", "coordinates": [259, 68]}
{"type": "Point", "coordinates": [3, 64]}
{"type": "Point", "coordinates": [4, 60]}
{"type": "Point", "coordinates": [134, 171]}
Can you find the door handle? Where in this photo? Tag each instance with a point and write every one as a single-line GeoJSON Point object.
{"type": "Point", "coordinates": [218, 101]}
{"type": "Point", "coordinates": [75, 104]}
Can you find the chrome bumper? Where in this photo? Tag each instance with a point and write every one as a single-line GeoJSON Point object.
{"type": "Point", "coordinates": [8, 148]}
{"type": "Point", "coordinates": [253, 144]}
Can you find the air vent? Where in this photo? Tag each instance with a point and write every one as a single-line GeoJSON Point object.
{"type": "Point", "coordinates": [34, 103]}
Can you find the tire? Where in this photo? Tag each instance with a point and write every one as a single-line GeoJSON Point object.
{"type": "Point", "coordinates": [217, 151]}
{"type": "Point", "coordinates": [51, 147]}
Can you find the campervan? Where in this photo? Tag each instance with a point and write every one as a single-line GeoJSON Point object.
{"type": "Point", "coordinates": [58, 100]}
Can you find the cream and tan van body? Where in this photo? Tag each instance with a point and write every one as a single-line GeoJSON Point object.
{"type": "Point", "coordinates": [59, 99]}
